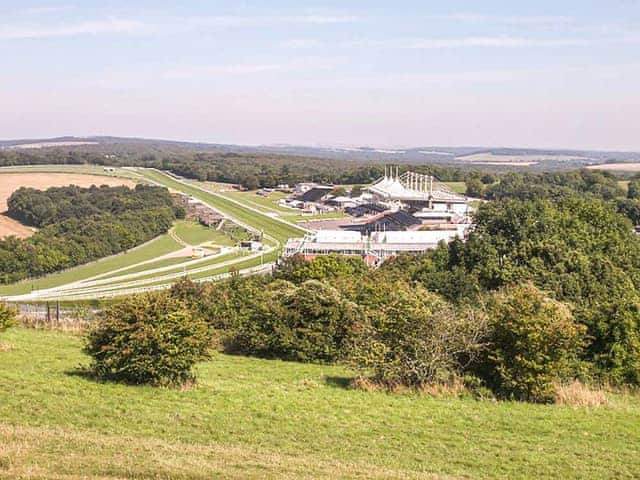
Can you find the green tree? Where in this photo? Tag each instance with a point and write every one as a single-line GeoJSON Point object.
{"type": "Point", "coordinates": [534, 342]}
{"type": "Point", "coordinates": [475, 188]}
{"type": "Point", "coordinates": [633, 190]}
{"type": "Point", "coordinates": [327, 267]}
{"type": "Point", "coordinates": [413, 337]}
{"type": "Point", "coordinates": [147, 339]}
{"type": "Point", "coordinates": [310, 322]}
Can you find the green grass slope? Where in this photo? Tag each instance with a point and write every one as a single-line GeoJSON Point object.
{"type": "Point", "coordinates": [251, 418]}
{"type": "Point", "coordinates": [277, 229]}
{"type": "Point", "coordinates": [153, 249]}
{"type": "Point", "coordinates": [195, 234]}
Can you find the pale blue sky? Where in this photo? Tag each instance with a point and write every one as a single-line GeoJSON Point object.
{"type": "Point", "coordinates": [563, 73]}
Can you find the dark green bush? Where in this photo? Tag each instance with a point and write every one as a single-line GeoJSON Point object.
{"type": "Point", "coordinates": [413, 337]}
{"type": "Point", "coordinates": [147, 339]}
{"type": "Point", "coordinates": [534, 342]}
{"type": "Point", "coordinates": [326, 267]}
{"type": "Point", "coordinates": [310, 322]}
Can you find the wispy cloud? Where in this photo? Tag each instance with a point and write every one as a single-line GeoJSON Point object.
{"type": "Point", "coordinates": [504, 20]}
{"type": "Point", "coordinates": [19, 32]}
{"type": "Point", "coordinates": [491, 42]}
{"type": "Point", "coordinates": [229, 21]}
{"type": "Point", "coordinates": [46, 9]}
{"type": "Point", "coordinates": [301, 43]}
{"type": "Point", "coordinates": [16, 31]}
{"type": "Point", "coordinates": [244, 69]}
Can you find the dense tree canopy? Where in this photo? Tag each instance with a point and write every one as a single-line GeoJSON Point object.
{"type": "Point", "coordinates": [79, 225]}
{"type": "Point", "coordinates": [580, 250]}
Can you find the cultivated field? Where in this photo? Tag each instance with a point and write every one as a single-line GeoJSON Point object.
{"type": "Point", "coordinates": [251, 418]}
{"type": "Point", "coordinates": [618, 167]}
{"type": "Point", "coordinates": [517, 160]}
{"type": "Point", "coordinates": [10, 182]}
{"type": "Point", "coordinates": [10, 227]}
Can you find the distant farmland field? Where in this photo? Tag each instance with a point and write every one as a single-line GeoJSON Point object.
{"type": "Point", "coordinates": [516, 160]}
{"type": "Point", "coordinates": [618, 167]}
{"type": "Point", "coordinates": [10, 182]}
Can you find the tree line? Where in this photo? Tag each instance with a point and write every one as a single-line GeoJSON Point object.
{"type": "Point", "coordinates": [249, 170]}
{"type": "Point", "coordinates": [541, 292]}
{"type": "Point", "coordinates": [79, 225]}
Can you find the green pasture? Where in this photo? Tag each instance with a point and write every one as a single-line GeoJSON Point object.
{"type": "Point", "coordinates": [156, 248]}
{"type": "Point", "coordinates": [251, 418]}
{"type": "Point", "coordinates": [277, 229]}
{"type": "Point", "coordinates": [195, 234]}
{"type": "Point", "coordinates": [457, 187]}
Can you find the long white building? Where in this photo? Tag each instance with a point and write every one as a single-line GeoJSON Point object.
{"type": "Point", "coordinates": [374, 248]}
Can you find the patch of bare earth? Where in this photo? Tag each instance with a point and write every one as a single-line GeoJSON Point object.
{"type": "Point", "coordinates": [10, 227]}
{"type": "Point", "coordinates": [10, 182]}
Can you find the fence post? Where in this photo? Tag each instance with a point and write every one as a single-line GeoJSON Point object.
{"type": "Point", "coordinates": [48, 313]}
{"type": "Point", "coordinates": [58, 313]}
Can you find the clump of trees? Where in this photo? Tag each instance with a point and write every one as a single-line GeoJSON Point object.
{"type": "Point", "coordinates": [79, 225]}
{"type": "Point", "coordinates": [413, 337]}
{"type": "Point", "coordinates": [307, 322]}
{"type": "Point", "coordinates": [579, 250]}
{"type": "Point", "coordinates": [517, 341]}
{"type": "Point", "coordinates": [533, 342]}
{"type": "Point", "coordinates": [149, 339]}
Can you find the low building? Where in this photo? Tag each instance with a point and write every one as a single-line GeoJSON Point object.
{"type": "Point", "coordinates": [251, 245]}
{"type": "Point", "coordinates": [316, 194]}
{"type": "Point", "coordinates": [373, 247]}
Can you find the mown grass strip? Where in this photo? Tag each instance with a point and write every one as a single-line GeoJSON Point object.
{"type": "Point", "coordinates": [277, 229]}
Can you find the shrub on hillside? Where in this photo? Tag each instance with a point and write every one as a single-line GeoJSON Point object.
{"type": "Point", "coordinates": [413, 337]}
{"type": "Point", "coordinates": [326, 267]}
{"type": "Point", "coordinates": [534, 342]}
{"type": "Point", "coordinates": [7, 316]}
{"type": "Point", "coordinates": [147, 339]}
{"type": "Point", "coordinates": [310, 322]}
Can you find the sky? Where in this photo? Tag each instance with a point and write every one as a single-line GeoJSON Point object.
{"type": "Point", "coordinates": [544, 74]}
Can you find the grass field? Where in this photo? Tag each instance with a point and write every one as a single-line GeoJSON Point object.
{"type": "Point", "coordinates": [278, 230]}
{"type": "Point", "coordinates": [71, 169]}
{"type": "Point", "coordinates": [195, 234]}
{"type": "Point", "coordinates": [306, 218]}
{"type": "Point", "coordinates": [157, 247]}
{"type": "Point", "coordinates": [458, 187]}
{"type": "Point", "coordinates": [624, 184]}
{"type": "Point", "coordinates": [630, 167]}
{"type": "Point", "coordinates": [250, 418]}
{"type": "Point", "coordinates": [167, 262]}
{"type": "Point", "coordinates": [266, 204]}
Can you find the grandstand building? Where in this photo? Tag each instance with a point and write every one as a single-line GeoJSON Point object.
{"type": "Point", "coordinates": [373, 247]}
{"type": "Point", "coordinates": [417, 191]}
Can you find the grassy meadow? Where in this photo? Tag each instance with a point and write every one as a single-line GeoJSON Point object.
{"type": "Point", "coordinates": [457, 187]}
{"type": "Point", "coordinates": [195, 234]}
{"type": "Point", "coordinates": [251, 418]}
{"type": "Point", "coordinates": [148, 251]}
{"type": "Point", "coordinates": [271, 226]}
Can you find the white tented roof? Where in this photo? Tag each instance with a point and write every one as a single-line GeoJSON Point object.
{"type": "Point", "coordinates": [422, 236]}
{"type": "Point", "coordinates": [337, 236]}
{"type": "Point", "coordinates": [416, 187]}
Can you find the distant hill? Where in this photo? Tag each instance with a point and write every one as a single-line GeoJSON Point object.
{"type": "Point", "coordinates": [461, 156]}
